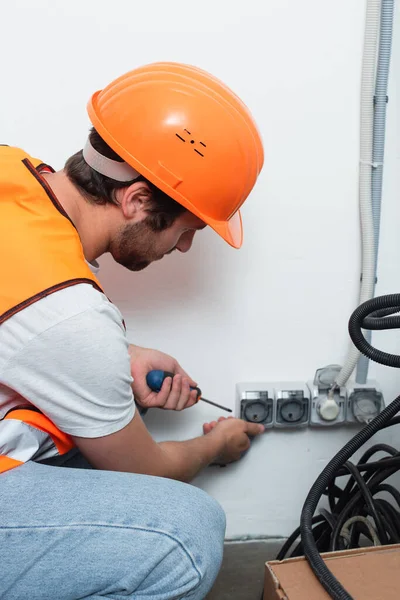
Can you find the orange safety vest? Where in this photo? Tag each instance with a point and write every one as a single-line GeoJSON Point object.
{"type": "Point", "coordinates": [41, 253]}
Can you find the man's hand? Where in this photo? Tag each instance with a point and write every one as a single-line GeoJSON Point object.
{"type": "Point", "coordinates": [174, 395]}
{"type": "Point", "coordinates": [132, 449]}
{"type": "Point", "coordinates": [236, 435]}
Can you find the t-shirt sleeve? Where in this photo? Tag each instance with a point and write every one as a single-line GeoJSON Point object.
{"type": "Point", "coordinates": [77, 372]}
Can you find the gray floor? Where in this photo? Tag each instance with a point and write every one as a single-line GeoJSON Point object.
{"type": "Point", "coordinates": [242, 572]}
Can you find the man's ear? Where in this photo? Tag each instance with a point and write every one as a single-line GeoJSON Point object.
{"type": "Point", "coordinates": [134, 200]}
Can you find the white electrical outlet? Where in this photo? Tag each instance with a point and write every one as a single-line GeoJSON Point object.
{"type": "Point", "coordinates": [255, 403]}
{"type": "Point", "coordinates": [292, 404]}
{"type": "Point", "coordinates": [364, 401]}
{"type": "Point", "coordinates": [327, 409]}
{"type": "Point", "coordinates": [327, 412]}
{"type": "Point", "coordinates": [296, 404]}
{"type": "Point", "coordinates": [274, 404]}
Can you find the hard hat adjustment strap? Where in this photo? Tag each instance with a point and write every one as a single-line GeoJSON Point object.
{"type": "Point", "coordinates": [119, 171]}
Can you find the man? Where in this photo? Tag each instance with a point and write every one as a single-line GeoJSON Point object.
{"type": "Point", "coordinates": [171, 151]}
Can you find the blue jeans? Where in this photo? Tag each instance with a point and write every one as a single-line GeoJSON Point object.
{"type": "Point", "coordinates": [69, 534]}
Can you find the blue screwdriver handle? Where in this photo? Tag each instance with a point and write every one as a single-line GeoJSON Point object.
{"type": "Point", "coordinates": [155, 379]}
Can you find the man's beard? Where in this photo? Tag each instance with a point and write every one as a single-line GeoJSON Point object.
{"type": "Point", "coordinates": [135, 247]}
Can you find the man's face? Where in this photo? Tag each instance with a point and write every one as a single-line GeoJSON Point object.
{"type": "Point", "coordinates": [137, 245]}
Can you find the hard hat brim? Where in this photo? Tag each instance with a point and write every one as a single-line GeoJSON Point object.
{"type": "Point", "coordinates": [231, 231]}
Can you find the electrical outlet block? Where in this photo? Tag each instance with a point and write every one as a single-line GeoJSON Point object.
{"type": "Point", "coordinates": [364, 401]}
{"type": "Point", "coordinates": [255, 403]}
{"type": "Point", "coordinates": [327, 409]}
{"type": "Point", "coordinates": [292, 405]}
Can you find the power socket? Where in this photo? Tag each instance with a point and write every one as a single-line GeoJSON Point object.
{"type": "Point", "coordinates": [364, 401]}
{"type": "Point", "coordinates": [255, 403]}
{"type": "Point", "coordinates": [296, 404]}
{"type": "Point", "coordinates": [292, 405]}
{"type": "Point", "coordinates": [279, 404]}
{"type": "Point", "coordinates": [318, 417]}
{"type": "Point", "coordinates": [327, 410]}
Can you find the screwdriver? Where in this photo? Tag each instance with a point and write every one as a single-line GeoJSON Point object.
{"type": "Point", "coordinates": [155, 380]}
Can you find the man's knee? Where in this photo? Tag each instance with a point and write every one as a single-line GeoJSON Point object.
{"type": "Point", "coordinates": [183, 545]}
{"type": "Point", "coordinates": [207, 532]}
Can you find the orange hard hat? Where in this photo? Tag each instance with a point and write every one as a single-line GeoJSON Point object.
{"type": "Point", "coordinates": [189, 134]}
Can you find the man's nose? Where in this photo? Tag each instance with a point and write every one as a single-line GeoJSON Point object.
{"type": "Point", "coordinates": [185, 241]}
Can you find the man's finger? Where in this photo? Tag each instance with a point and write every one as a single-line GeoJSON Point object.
{"type": "Point", "coordinates": [253, 429]}
{"type": "Point", "coordinates": [193, 398]}
{"type": "Point", "coordinates": [175, 393]}
{"type": "Point", "coordinates": [159, 399]}
{"type": "Point", "coordinates": [185, 394]}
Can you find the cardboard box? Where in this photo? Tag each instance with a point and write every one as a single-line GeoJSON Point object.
{"type": "Point", "coordinates": [366, 573]}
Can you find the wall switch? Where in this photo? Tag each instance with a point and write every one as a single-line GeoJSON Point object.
{"type": "Point", "coordinates": [292, 405]}
{"type": "Point", "coordinates": [255, 403]}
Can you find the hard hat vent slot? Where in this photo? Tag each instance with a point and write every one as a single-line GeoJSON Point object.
{"type": "Point", "coordinates": [191, 141]}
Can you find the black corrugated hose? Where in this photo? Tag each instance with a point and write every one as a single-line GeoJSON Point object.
{"type": "Point", "coordinates": [354, 503]}
{"type": "Point", "coordinates": [373, 315]}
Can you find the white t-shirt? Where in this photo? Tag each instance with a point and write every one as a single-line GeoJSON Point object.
{"type": "Point", "coordinates": [67, 354]}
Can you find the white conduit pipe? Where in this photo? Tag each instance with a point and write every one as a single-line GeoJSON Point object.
{"type": "Point", "coordinates": [380, 103]}
{"type": "Point", "coordinates": [366, 141]}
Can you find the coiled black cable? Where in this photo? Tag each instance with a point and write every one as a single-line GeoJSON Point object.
{"type": "Point", "coordinates": [390, 490]}
{"type": "Point", "coordinates": [369, 502]}
{"type": "Point", "coordinates": [374, 315]}
{"type": "Point", "coordinates": [362, 319]}
{"type": "Point", "coordinates": [292, 538]}
{"type": "Point", "coordinates": [327, 579]}
{"type": "Point", "coordinates": [351, 503]}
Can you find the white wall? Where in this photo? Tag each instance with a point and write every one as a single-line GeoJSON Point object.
{"type": "Point", "coordinates": [277, 309]}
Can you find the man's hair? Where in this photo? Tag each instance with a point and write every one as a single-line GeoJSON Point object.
{"type": "Point", "coordinates": [99, 189]}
